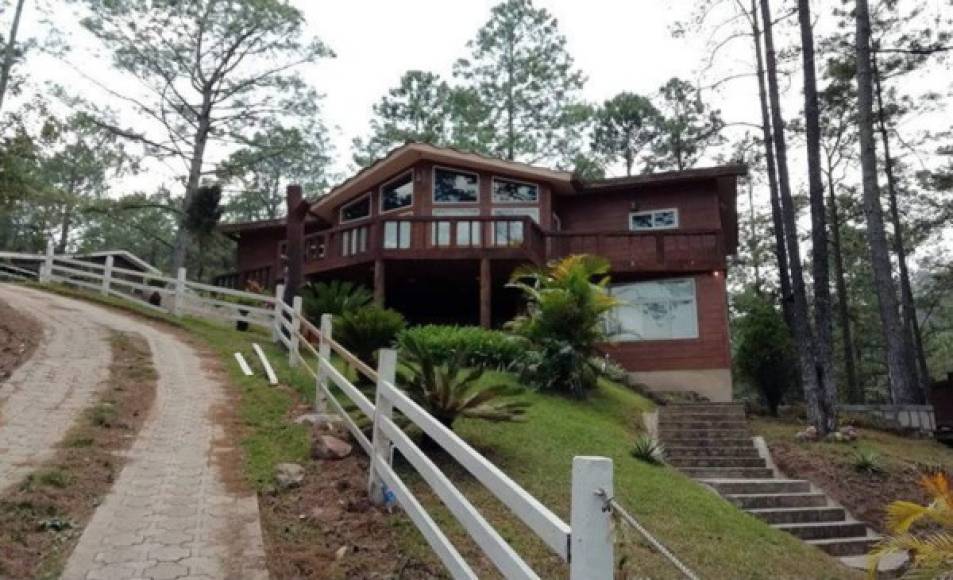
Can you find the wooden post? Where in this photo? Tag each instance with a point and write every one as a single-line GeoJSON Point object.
{"type": "Point", "coordinates": [279, 300]}
{"type": "Point", "coordinates": [179, 299]}
{"type": "Point", "coordinates": [107, 276]}
{"type": "Point", "coordinates": [380, 281]}
{"type": "Point", "coordinates": [386, 371]}
{"type": "Point", "coordinates": [590, 544]}
{"type": "Point", "coordinates": [46, 271]}
{"type": "Point", "coordinates": [293, 353]}
{"type": "Point", "coordinates": [324, 352]}
{"type": "Point", "coordinates": [294, 250]}
{"type": "Point", "coordinates": [486, 290]}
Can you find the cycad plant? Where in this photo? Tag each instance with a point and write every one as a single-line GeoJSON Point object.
{"type": "Point", "coordinates": [931, 550]}
{"type": "Point", "coordinates": [450, 391]}
{"type": "Point", "coordinates": [567, 303]}
{"type": "Point", "coordinates": [336, 297]}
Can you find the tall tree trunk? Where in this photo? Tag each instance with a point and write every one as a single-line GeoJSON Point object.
{"type": "Point", "coordinates": [64, 230]}
{"type": "Point", "coordinates": [823, 323]}
{"type": "Point", "coordinates": [802, 327]}
{"type": "Point", "coordinates": [9, 53]}
{"type": "Point", "coordinates": [780, 248]}
{"type": "Point", "coordinates": [182, 235]}
{"type": "Point", "coordinates": [854, 394]}
{"type": "Point", "coordinates": [903, 387]}
{"type": "Point", "coordinates": [753, 243]}
{"type": "Point", "coordinates": [908, 312]}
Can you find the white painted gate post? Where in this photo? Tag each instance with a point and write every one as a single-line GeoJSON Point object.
{"type": "Point", "coordinates": [279, 312]}
{"type": "Point", "coordinates": [46, 272]}
{"type": "Point", "coordinates": [590, 546]}
{"type": "Point", "coordinates": [179, 299]}
{"type": "Point", "coordinates": [386, 372]}
{"type": "Point", "coordinates": [107, 276]}
{"type": "Point", "coordinates": [324, 352]}
{"type": "Point", "coordinates": [295, 330]}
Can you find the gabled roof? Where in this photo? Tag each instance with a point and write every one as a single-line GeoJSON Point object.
{"type": "Point", "coordinates": [406, 155]}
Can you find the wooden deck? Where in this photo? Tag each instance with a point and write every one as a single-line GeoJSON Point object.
{"type": "Point", "coordinates": [501, 238]}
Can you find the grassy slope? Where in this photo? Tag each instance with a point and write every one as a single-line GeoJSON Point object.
{"type": "Point", "coordinates": [710, 536]}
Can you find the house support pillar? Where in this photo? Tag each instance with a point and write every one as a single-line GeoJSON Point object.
{"type": "Point", "coordinates": [380, 290]}
{"type": "Point", "coordinates": [486, 291]}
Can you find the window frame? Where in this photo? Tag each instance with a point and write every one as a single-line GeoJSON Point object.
{"type": "Point", "coordinates": [370, 209]}
{"type": "Point", "coordinates": [433, 186]}
{"type": "Point", "coordinates": [380, 193]}
{"type": "Point", "coordinates": [697, 326]}
{"type": "Point", "coordinates": [652, 213]}
{"type": "Point", "coordinates": [495, 201]}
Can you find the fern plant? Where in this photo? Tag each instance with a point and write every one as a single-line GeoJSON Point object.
{"type": "Point", "coordinates": [450, 391]}
{"type": "Point", "coordinates": [931, 551]}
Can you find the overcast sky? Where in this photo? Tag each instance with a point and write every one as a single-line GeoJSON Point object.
{"type": "Point", "coordinates": [619, 45]}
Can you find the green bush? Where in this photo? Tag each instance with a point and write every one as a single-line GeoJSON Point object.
{"type": "Point", "coordinates": [477, 346]}
{"type": "Point", "coordinates": [449, 390]}
{"type": "Point", "coordinates": [335, 298]}
{"type": "Point", "coordinates": [368, 329]}
{"type": "Point", "coordinates": [764, 352]}
{"type": "Point", "coordinates": [564, 321]}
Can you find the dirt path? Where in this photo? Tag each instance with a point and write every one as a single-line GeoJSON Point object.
{"type": "Point", "coordinates": [170, 513]}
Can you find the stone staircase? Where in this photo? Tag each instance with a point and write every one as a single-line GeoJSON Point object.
{"type": "Point", "coordinates": [711, 443]}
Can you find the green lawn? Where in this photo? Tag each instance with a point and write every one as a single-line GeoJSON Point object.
{"type": "Point", "coordinates": [710, 536]}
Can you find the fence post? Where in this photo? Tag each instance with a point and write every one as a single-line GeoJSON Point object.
{"type": "Point", "coordinates": [590, 546]}
{"type": "Point", "coordinates": [324, 352]}
{"type": "Point", "coordinates": [46, 272]}
{"type": "Point", "coordinates": [107, 276]}
{"type": "Point", "coordinates": [179, 299]}
{"type": "Point", "coordinates": [279, 312]}
{"type": "Point", "coordinates": [386, 371]}
{"type": "Point", "coordinates": [295, 331]}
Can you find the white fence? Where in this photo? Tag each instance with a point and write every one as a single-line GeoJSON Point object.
{"type": "Point", "coordinates": [585, 543]}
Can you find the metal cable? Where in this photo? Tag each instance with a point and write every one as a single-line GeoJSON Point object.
{"type": "Point", "coordinates": [611, 503]}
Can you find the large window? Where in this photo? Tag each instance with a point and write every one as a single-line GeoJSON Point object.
{"type": "Point", "coordinates": [398, 193]}
{"type": "Point", "coordinates": [657, 310]}
{"type": "Point", "coordinates": [468, 231]}
{"type": "Point", "coordinates": [509, 191]}
{"type": "Point", "coordinates": [659, 219]}
{"type": "Point", "coordinates": [510, 233]}
{"type": "Point", "coordinates": [450, 186]}
{"type": "Point", "coordinates": [356, 210]}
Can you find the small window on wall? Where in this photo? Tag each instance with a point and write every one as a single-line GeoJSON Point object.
{"type": "Point", "coordinates": [657, 310]}
{"type": "Point", "coordinates": [356, 210]}
{"type": "Point", "coordinates": [398, 194]}
{"type": "Point", "coordinates": [659, 219]}
{"type": "Point", "coordinates": [508, 191]}
{"type": "Point", "coordinates": [451, 186]}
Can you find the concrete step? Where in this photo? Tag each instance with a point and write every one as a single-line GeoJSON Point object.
{"type": "Point", "coordinates": [759, 486]}
{"type": "Point", "coordinates": [755, 473]}
{"type": "Point", "coordinates": [689, 462]}
{"type": "Point", "coordinates": [800, 515]}
{"type": "Point", "coordinates": [703, 407]}
{"type": "Point", "coordinates": [666, 432]}
{"type": "Point", "coordinates": [752, 501]}
{"type": "Point", "coordinates": [668, 423]}
{"type": "Point", "coordinates": [723, 451]}
{"type": "Point", "coordinates": [689, 442]}
{"type": "Point", "coordinates": [824, 530]}
{"type": "Point", "coordinates": [702, 413]}
{"type": "Point", "coordinates": [841, 547]}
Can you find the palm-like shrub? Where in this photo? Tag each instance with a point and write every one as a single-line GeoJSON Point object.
{"type": "Point", "coordinates": [567, 301]}
{"type": "Point", "coordinates": [931, 552]}
{"type": "Point", "coordinates": [365, 330]}
{"type": "Point", "coordinates": [648, 450]}
{"type": "Point", "coordinates": [335, 297]}
{"type": "Point", "coordinates": [450, 391]}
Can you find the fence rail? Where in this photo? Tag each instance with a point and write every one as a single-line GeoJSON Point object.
{"type": "Point", "coordinates": [585, 543]}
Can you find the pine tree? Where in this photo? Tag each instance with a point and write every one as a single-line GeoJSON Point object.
{"type": "Point", "coordinates": [624, 126]}
{"type": "Point", "coordinates": [687, 126]}
{"type": "Point", "coordinates": [525, 79]}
